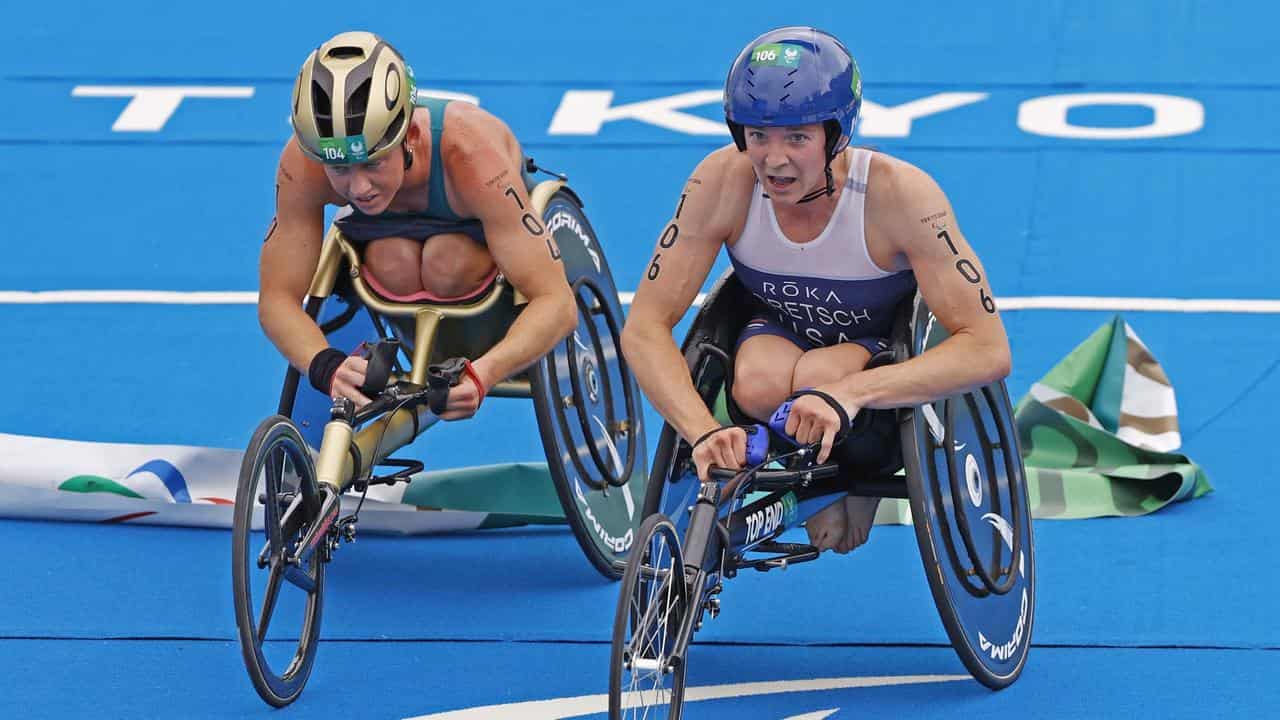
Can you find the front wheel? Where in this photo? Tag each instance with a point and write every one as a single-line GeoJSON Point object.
{"type": "Point", "coordinates": [276, 501]}
{"type": "Point", "coordinates": [647, 663]}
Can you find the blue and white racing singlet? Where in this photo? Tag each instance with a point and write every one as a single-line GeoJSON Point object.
{"type": "Point", "coordinates": [828, 290]}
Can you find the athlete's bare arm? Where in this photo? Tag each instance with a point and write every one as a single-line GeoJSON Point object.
{"type": "Point", "coordinates": [909, 208]}
{"type": "Point", "coordinates": [290, 255]}
{"type": "Point", "coordinates": [704, 217]}
{"type": "Point", "coordinates": [482, 160]}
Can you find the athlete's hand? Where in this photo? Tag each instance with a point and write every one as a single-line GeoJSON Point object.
{"type": "Point", "coordinates": [726, 448]}
{"type": "Point", "coordinates": [464, 400]}
{"type": "Point", "coordinates": [812, 420]}
{"type": "Point", "coordinates": [348, 379]}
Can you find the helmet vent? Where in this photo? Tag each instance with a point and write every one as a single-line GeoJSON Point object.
{"type": "Point", "coordinates": [784, 97]}
{"type": "Point", "coordinates": [323, 107]}
{"type": "Point", "coordinates": [357, 103]}
{"type": "Point", "coordinates": [393, 130]}
{"type": "Point", "coordinates": [345, 52]}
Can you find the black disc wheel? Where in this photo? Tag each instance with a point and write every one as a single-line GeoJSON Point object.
{"type": "Point", "coordinates": [972, 520]}
{"type": "Point", "coordinates": [588, 405]}
{"type": "Point", "coordinates": [648, 661]}
{"type": "Point", "coordinates": [278, 586]}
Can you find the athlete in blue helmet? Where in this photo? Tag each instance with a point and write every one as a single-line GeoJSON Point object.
{"type": "Point", "coordinates": [829, 239]}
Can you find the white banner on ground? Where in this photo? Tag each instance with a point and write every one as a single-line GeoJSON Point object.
{"type": "Point", "coordinates": [77, 481]}
{"type": "Point", "coordinates": [51, 479]}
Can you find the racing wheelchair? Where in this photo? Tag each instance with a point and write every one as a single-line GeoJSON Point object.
{"type": "Point", "coordinates": [289, 518]}
{"type": "Point", "coordinates": [957, 461]}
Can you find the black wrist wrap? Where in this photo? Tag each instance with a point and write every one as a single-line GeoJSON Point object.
{"type": "Point", "coordinates": [323, 367]}
{"type": "Point", "coordinates": [846, 426]}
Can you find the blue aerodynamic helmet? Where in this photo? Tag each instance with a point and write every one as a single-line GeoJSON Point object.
{"type": "Point", "coordinates": [794, 76]}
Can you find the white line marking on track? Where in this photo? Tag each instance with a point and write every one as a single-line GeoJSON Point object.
{"type": "Point", "coordinates": [569, 707]}
{"type": "Point", "coordinates": [1187, 305]}
{"type": "Point", "coordinates": [144, 297]}
{"type": "Point", "coordinates": [1035, 302]}
{"type": "Point", "coordinates": [818, 715]}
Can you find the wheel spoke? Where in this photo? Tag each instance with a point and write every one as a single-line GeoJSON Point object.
{"type": "Point", "coordinates": [646, 700]}
{"type": "Point", "coordinates": [269, 600]}
{"type": "Point", "coordinates": [644, 609]}
{"type": "Point", "coordinates": [273, 468]}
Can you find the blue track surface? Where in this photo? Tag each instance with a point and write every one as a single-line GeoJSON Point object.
{"type": "Point", "coordinates": [1170, 615]}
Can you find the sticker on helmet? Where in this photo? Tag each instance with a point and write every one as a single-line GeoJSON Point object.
{"type": "Point", "coordinates": [413, 84]}
{"type": "Point", "coordinates": [339, 151]}
{"type": "Point", "coordinates": [776, 55]}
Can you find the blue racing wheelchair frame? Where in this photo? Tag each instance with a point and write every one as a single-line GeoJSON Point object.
{"type": "Point", "coordinates": [963, 477]}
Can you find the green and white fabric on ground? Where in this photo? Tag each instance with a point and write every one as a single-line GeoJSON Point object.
{"type": "Point", "coordinates": [509, 494]}
{"type": "Point", "coordinates": [1099, 432]}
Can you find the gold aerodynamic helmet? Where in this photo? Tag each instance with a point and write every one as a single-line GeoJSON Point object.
{"type": "Point", "coordinates": [353, 99]}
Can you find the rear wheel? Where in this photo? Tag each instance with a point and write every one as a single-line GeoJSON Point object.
{"type": "Point", "coordinates": [972, 515]}
{"type": "Point", "coordinates": [588, 404]}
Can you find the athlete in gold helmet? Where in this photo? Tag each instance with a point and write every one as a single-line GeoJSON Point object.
{"type": "Point", "coordinates": [432, 189]}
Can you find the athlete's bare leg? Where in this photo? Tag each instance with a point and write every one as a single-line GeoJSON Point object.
{"type": "Point", "coordinates": [395, 262]}
{"type": "Point", "coordinates": [841, 526]}
{"type": "Point", "coordinates": [762, 370]}
{"type": "Point", "coordinates": [762, 373]}
{"type": "Point", "coordinates": [446, 265]}
{"type": "Point", "coordinates": [860, 515]}
{"type": "Point", "coordinates": [760, 386]}
{"type": "Point", "coordinates": [454, 265]}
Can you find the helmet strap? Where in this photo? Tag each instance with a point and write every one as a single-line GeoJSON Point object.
{"type": "Point", "coordinates": [831, 129]}
{"type": "Point", "coordinates": [739, 134]}
{"type": "Point", "coordinates": [823, 192]}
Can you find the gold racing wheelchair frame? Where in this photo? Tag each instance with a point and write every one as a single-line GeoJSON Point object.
{"type": "Point", "coordinates": [337, 465]}
{"type": "Point", "coordinates": [587, 405]}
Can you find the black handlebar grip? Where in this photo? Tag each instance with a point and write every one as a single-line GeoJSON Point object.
{"type": "Point", "coordinates": [441, 377]}
{"type": "Point", "coordinates": [720, 473]}
{"type": "Point", "coordinates": [382, 359]}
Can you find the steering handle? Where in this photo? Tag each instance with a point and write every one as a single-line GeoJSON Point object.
{"type": "Point", "coordinates": [440, 377]}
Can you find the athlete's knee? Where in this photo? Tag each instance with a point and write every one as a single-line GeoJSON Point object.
{"type": "Point", "coordinates": [812, 371]}
{"type": "Point", "coordinates": [453, 264]}
{"type": "Point", "coordinates": [394, 262]}
{"type": "Point", "coordinates": [760, 383]}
